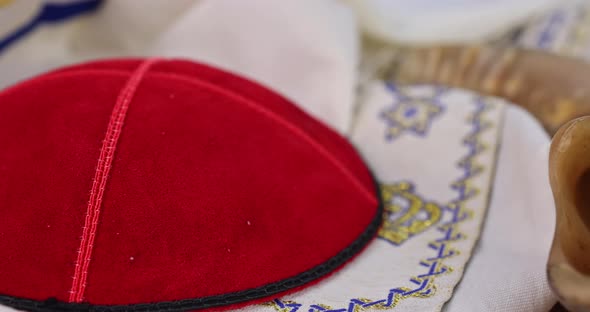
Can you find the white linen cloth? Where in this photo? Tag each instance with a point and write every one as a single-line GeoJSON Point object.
{"type": "Point", "coordinates": [307, 50]}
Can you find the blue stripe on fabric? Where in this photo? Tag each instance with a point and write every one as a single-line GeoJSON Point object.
{"type": "Point", "coordinates": [50, 13]}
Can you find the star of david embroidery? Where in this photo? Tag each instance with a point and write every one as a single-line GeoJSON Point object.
{"type": "Point", "coordinates": [410, 113]}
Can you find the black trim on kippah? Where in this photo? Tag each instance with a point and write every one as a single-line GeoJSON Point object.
{"type": "Point", "coordinates": [53, 305]}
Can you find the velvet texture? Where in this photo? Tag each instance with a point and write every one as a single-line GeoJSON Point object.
{"type": "Point", "coordinates": [217, 185]}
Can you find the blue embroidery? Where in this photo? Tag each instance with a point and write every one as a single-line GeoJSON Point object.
{"type": "Point", "coordinates": [410, 113]}
{"type": "Point", "coordinates": [458, 211]}
{"type": "Point", "coordinates": [51, 13]}
{"type": "Point", "coordinates": [548, 35]}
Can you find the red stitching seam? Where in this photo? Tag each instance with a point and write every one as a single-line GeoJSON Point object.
{"type": "Point", "coordinates": [100, 179]}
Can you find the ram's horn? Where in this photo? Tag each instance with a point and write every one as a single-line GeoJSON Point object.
{"type": "Point", "coordinates": [553, 88]}
{"type": "Point", "coordinates": [568, 267]}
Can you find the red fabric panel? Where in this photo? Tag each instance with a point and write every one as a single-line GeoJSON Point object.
{"type": "Point", "coordinates": [208, 194]}
{"type": "Point", "coordinates": [251, 90]}
{"type": "Point", "coordinates": [51, 136]}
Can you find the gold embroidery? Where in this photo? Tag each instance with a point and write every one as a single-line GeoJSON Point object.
{"type": "Point", "coordinates": [577, 38]}
{"type": "Point", "coordinates": [378, 306]}
{"type": "Point", "coordinates": [323, 306]}
{"type": "Point", "coordinates": [285, 306]}
{"type": "Point", "coordinates": [405, 213]}
{"type": "Point", "coordinates": [415, 115]}
{"type": "Point", "coordinates": [410, 113]}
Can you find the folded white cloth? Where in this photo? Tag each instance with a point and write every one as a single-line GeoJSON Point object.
{"type": "Point", "coordinates": [307, 50]}
{"type": "Point", "coordinates": [507, 269]}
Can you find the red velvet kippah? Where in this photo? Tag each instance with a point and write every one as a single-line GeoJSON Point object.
{"type": "Point", "coordinates": [148, 185]}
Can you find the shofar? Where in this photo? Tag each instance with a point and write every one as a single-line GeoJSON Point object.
{"type": "Point", "coordinates": [568, 268]}
{"type": "Point", "coordinates": [553, 88]}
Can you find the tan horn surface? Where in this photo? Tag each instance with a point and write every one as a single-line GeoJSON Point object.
{"type": "Point", "coordinates": [551, 87]}
{"type": "Point", "coordinates": [568, 267]}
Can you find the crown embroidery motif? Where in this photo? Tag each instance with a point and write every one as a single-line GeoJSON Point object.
{"type": "Point", "coordinates": [405, 213]}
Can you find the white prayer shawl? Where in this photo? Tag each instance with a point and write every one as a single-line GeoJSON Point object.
{"type": "Point", "coordinates": [307, 50]}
